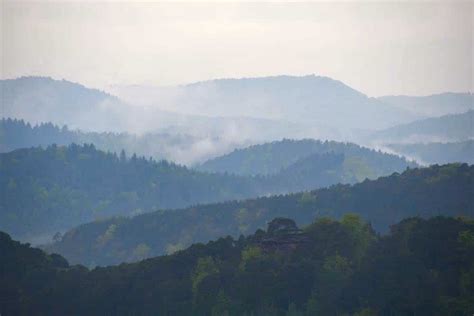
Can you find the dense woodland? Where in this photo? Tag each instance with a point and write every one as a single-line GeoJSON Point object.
{"type": "Point", "coordinates": [59, 187]}
{"type": "Point", "coordinates": [423, 267]}
{"type": "Point", "coordinates": [438, 190]}
{"type": "Point", "coordinates": [16, 134]}
{"type": "Point", "coordinates": [55, 188]}
{"type": "Point", "coordinates": [272, 158]}
{"type": "Point", "coordinates": [379, 235]}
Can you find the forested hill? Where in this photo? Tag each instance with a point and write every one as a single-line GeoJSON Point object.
{"type": "Point", "coordinates": [437, 190]}
{"type": "Point", "coordinates": [57, 188]}
{"type": "Point", "coordinates": [271, 158]}
{"type": "Point", "coordinates": [423, 267]}
{"type": "Point", "coordinates": [17, 134]}
{"type": "Point", "coordinates": [43, 99]}
{"type": "Point", "coordinates": [52, 189]}
{"type": "Point", "coordinates": [447, 128]}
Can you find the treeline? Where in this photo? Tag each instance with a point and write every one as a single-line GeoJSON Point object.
{"type": "Point", "coordinates": [438, 190]}
{"type": "Point", "coordinates": [17, 134]}
{"type": "Point", "coordinates": [55, 188]}
{"type": "Point", "coordinates": [271, 158]}
{"type": "Point", "coordinates": [423, 267]}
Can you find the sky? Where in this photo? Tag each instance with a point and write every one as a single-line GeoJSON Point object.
{"type": "Point", "coordinates": [378, 48]}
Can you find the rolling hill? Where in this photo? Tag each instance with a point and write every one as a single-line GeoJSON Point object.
{"type": "Point", "coordinates": [440, 153]}
{"type": "Point", "coordinates": [46, 190]}
{"type": "Point", "coordinates": [56, 188]}
{"type": "Point", "coordinates": [423, 267]}
{"type": "Point", "coordinates": [433, 105]}
{"type": "Point", "coordinates": [447, 128]}
{"type": "Point", "coordinates": [438, 190]}
{"type": "Point", "coordinates": [313, 100]}
{"type": "Point", "coordinates": [272, 158]}
{"type": "Point", "coordinates": [45, 100]}
{"type": "Point", "coordinates": [177, 147]}
{"type": "Point", "coordinates": [42, 99]}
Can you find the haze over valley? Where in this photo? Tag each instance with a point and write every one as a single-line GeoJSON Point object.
{"type": "Point", "coordinates": [236, 158]}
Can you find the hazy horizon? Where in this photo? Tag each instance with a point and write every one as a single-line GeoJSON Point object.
{"type": "Point", "coordinates": [420, 48]}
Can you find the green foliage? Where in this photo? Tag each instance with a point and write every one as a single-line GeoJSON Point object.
{"type": "Point", "coordinates": [222, 306]}
{"type": "Point", "coordinates": [312, 306]}
{"type": "Point", "coordinates": [361, 232]}
{"type": "Point", "coordinates": [420, 268]}
{"type": "Point", "coordinates": [57, 188]}
{"type": "Point", "coordinates": [248, 254]}
{"type": "Point", "coordinates": [204, 267]}
{"type": "Point", "coordinates": [337, 265]}
{"type": "Point", "coordinates": [293, 311]}
{"type": "Point", "coordinates": [54, 189]}
{"type": "Point", "coordinates": [382, 202]}
{"type": "Point", "coordinates": [297, 156]}
{"type": "Point", "coordinates": [466, 238]}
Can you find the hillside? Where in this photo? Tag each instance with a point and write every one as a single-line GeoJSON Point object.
{"type": "Point", "coordinates": [177, 147]}
{"type": "Point", "coordinates": [272, 158]}
{"type": "Point", "coordinates": [55, 188]}
{"type": "Point", "coordinates": [447, 128]}
{"type": "Point", "coordinates": [432, 105]}
{"type": "Point", "coordinates": [314, 100]}
{"type": "Point", "coordinates": [42, 99]}
{"type": "Point", "coordinates": [440, 153]}
{"type": "Point", "coordinates": [423, 267]}
{"type": "Point", "coordinates": [45, 100]}
{"type": "Point", "coordinates": [438, 190]}
{"type": "Point", "coordinates": [52, 189]}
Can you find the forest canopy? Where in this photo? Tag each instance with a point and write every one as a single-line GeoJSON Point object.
{"type": "Point", "coordinates": [422, 267]}
{"type": "Point", "coordinates": [439, 190]}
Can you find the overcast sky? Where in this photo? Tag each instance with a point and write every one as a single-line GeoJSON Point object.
{"type": "Point", "coordinates": [378, 48]}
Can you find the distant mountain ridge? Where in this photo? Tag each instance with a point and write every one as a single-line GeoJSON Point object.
{"type": "Point", "coordinates": [239, 111]}
{"type": "Point", "coordinates": [42, 99]}
{"type": "Point", "coordinates": [446, 128]}
{"type": "Point", "coordinates": [306, 99]}
{"type": "Point", "coordinates": [433, 105]}
{"type": "Point", "coordinates": [439, 153]}
{"type": "Point", "coordinates": [39, 100]}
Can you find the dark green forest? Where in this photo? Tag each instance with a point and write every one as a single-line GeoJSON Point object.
{"type": "Point", "coordinates": [272, 158]}
{"type": "Point", "coordinates": [46, 190]}
{"type": "Point", "coordinates": [422, 267]}
{"type": "Point", "coordinates": [51, 189]}
{"type": "Point", "coordinates": [438, 190]}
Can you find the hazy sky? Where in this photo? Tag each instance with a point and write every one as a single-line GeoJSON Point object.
{"type": "Point", "coordinates": [377, 48]}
